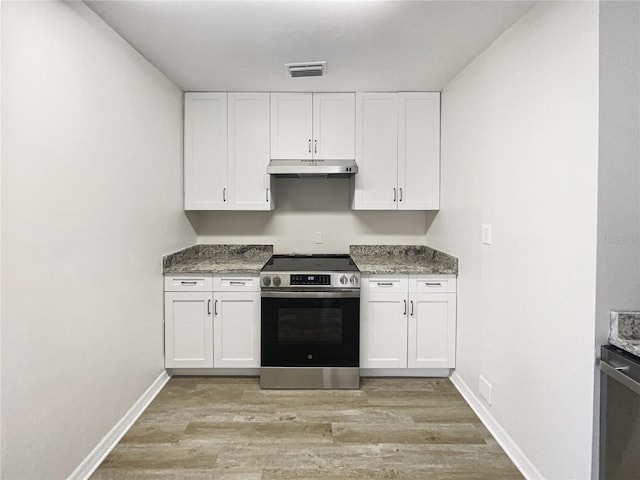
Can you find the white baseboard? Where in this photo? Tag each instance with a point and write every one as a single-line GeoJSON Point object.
{"type": "Point", "coordinates": [517, 456]}
{"type": "Point", "coordinates": [111, 439]}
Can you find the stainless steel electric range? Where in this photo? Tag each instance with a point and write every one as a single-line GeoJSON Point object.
{"type": "Point", "coordinates": [310, 335]}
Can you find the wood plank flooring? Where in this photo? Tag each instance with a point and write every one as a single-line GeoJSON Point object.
{"type": "Point", "coordinates": [210, 428]}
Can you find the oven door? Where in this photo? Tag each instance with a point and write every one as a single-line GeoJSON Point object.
{"type": "Point", "coordinates": [310, 329]}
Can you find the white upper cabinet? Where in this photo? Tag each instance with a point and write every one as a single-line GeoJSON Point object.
{"type": "Point", "coordinates": [291, 125]}
{"type": "Point", "coordinates": [205, 151]}
{"type": "Point", "coordinates": [397, 151]}
{"type": "Point", "coordinates": [248, 141]}
{"type": "Point", "coordinates": [227, 151]}
{"type": "Point", "coordinates": [334, 126]}
{"type": "Point", "coordinates": [419, 151]}
{"type": "Point", "coordinates": [376, 151]}
{"type": "Point", "coordinates": [312, 126]}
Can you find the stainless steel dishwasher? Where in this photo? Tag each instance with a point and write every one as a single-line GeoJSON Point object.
{"type": "Point", "coordinates": [619, 414]}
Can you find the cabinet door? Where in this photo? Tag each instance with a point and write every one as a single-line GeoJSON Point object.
{"type": "Point", "coordinates": [188, 329]}
{"type": "Point", "coordinates": [383, 331]}
{"type": "Point", "coordinates": [432, 330]}
{"type": "Point", "coordinates": [291, 130]}
{"type": "Point", "coordinates": [419, 151]}
{"type": "Point", "coordinates": [376, 152]}
{"type": "Point", "coordinates": [236, 328]}
{"type": "Point", "coordinates": [205, 151]}
{"type": "Point", "coordinates": [248, 142]}
{"type": "Point", "coordinates": [334, 126]}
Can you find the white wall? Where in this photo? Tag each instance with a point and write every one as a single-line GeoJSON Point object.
{"type": "Point", "coordinates": [308, 205]}
{"type": "Point", "coordinates": [520, 152]}
{"type": "Point", "coordinates": [618, 276]}
{"type": "Point", "coordinates": [0, 244]}
{"type": "Point", "coordinates": [91, 199]}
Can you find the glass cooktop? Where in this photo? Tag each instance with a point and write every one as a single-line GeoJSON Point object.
{"type": "Point", "coordinates": [310, 263]}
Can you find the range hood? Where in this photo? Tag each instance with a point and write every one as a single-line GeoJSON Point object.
{"type": "Point", "coordinates": [312, 168]}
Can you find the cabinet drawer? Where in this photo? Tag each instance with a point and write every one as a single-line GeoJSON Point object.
{"type": "Point", "coordinates": [393, 283]}
{"type": "Point", "coordinates": [188, 283]}
{"type": "Point", "coordinates": [236, 283]}
{"type": "Point", "coordinates": [433, 284]}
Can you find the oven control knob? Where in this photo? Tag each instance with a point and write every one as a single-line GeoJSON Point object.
{"type": "Point", "coordinates": [266, 281]}
{"type": "Point", "coordinates": [276, 281]}
{"type": "Point", "coordinates": [353, 280]}
{"type": "Point", "coordinates": [344, 280]}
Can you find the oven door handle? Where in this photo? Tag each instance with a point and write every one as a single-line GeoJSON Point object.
{"type": "Point", "coordinates": [311, 294]}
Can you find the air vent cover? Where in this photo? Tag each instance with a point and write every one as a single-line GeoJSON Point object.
{"type": "Point", "coordinates": [306, 69]}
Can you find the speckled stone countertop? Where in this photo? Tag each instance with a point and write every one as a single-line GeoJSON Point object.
{"type": "Point", "coordinates": [207, 258]}
{"type": "Point", "coordinates": [402, 259]}
{"type": "Point", "coordinates": [624, 330]}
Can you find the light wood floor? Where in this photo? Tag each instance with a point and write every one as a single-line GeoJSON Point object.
{"type": "Point", "coordinates": [227, 428]}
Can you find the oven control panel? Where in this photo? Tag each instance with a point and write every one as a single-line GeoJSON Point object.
{"type": "Point", "coordinates": [322, 279]}
{"type": "Point", "coordinates": [310, 280]}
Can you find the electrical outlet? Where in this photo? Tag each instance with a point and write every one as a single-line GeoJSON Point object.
{"type": "Point", "coordinates": [486, 234]}
{"type": "Point", "coordinates": [485, 389]}
{"type": "Point", "coordinates": [317, 237]}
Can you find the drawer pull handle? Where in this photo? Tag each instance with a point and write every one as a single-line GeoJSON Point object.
{"type": "Point", "coordinates": [209, 307]}
{"type": "Point", "coordinates": [411, 307]}
{"type": "Point", "coordinates": [238, 284]}
{"type": "Point", "coordinates": [385, 284]}
{"type": "Point", "coordinates": [433, 284]}
{"type": "Point", "coordinates": [405, 307]}
{"type": "Point", "coordinates": [215, 307]}
{"type": "Point", "coordinates": [183, 282]}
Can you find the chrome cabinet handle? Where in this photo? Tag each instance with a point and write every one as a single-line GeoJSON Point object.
{"type": "Point", "coordinates": [267, 196]}
{"type": "Point", "coordinates": [433, 284]}
{"type": "Point", "coordinates": [411, 307]}
{"type": "Point", "coordinates": [400, 195]}
{"type": "Point", "coordinates": [209, 307]}
{"type": "Point", "coordinates": [394, 194]}
{"type": "Point", "coordinates": [315, 146]}
{"type": "Point", "coordinates": [215, 307]}
{"type": "Point", "coordinates": [237, 283]}
{"type": "Point", "coordinates": [385, 284]}
{"type": "Point", "coordinates": [405, 307]}
{"type": "Point", "coordinates": [188, 283]}
{"type": "Point", "coordinates": [224, 194]}
{"type": "Point", "coordinates": [309, 145]}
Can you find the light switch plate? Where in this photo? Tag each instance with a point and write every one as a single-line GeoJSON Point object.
{"type": "Point", "coordinates": [317, 237]}
{"type": "Point", "coordinates": [486, 234]}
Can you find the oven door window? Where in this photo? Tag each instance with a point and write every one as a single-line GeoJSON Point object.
{"type": "Point", "coordinates": [309, 326]}
{"type": "Point", "coordinates": [310, 332]}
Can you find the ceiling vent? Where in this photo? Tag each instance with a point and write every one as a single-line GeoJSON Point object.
{"type": "Point", "coordinates": [307, 69]}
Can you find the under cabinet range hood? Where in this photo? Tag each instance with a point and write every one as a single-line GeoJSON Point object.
{"type": "Point", "coordinates": [312, 168]}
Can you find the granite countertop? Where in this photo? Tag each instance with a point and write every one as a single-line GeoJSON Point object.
{"type": "Point", "coordinates": [208, 258]}
{"type": "Point", "coordinates": [624, 330]}
{"type": "Point", "coordinates": [402, 259]}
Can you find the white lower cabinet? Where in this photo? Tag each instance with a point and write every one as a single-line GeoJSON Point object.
{"type": "Point", "coordinates": [188, 329]}
{"type": "Point", "coordinates": [408, 321]}
{"type": "Point", "coordinates": [212, 321]}
{"type": "Point", "coordinates": [236, 330]}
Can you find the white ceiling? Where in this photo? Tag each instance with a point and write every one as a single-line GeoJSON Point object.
{"type": "Point", "coordinates": [368, 45]}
